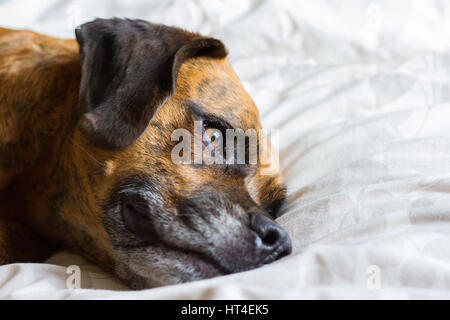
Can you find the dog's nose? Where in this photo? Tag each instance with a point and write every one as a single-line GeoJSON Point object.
{"type": "Point", "coordinates": [272, 242]}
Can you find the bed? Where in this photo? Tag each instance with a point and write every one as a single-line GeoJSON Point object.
{"type": "Point", "coordinates": [360, 95]}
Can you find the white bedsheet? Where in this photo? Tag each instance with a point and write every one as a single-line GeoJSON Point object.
{"type": "Point", "coordinates": [360, 91]}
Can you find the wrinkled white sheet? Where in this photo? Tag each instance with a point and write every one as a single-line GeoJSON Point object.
{"type": "Point", "coordinates": [360, 91]}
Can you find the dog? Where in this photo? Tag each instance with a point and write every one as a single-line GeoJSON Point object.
{"type": "Point", "coordinates": [85, 155]}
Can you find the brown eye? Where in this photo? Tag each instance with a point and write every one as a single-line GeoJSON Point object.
{"type": "Point", "coordinates": [213, 137]}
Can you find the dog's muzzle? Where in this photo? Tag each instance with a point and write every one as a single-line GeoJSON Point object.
{"type": "Point", "coordinates": [212, 227]}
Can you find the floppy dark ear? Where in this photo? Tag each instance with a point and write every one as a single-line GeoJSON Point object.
{"type": "Point", "coordinates": [128, 70]}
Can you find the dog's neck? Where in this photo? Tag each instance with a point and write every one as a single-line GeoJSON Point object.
{"type": "Point", "coordinates": [38, 113]}
{"type": "Point", "coordinates": [48, 181]}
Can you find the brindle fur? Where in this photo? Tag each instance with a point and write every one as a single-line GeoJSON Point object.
{"type": "Point", "coordinates": [61, 187]}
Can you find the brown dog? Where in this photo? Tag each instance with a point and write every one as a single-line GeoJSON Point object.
{"type": "Point", "coordinates": [85, 155]}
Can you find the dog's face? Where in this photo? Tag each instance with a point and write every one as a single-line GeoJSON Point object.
{"type": "Point", "coordinates": [170, 222]}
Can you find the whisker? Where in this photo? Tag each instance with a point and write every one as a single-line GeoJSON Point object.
{"type": "Point", "coordinates": [87, 152]}
{"type": "Point", "coordinates": [186, 215]}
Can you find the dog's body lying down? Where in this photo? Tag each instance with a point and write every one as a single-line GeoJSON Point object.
{"type": "Point", "coordinates": [85, 155]}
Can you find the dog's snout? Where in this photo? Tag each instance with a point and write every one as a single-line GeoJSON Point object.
{"type": "Point", "coordinates": [272, 242]}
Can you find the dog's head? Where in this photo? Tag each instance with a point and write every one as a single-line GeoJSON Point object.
{"type": "Point", "coordinates": [165, 221]}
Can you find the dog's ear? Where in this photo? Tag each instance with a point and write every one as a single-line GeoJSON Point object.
{"type": "Point", "coordinates": [128, 70]}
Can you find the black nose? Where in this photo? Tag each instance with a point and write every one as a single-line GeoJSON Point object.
{"type": "Point", "coordinates": [272, 242]}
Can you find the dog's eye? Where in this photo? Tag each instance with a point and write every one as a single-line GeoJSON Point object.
{"type": "Point", "coordinates": [214, 133]}
{"type": "Point", "coordinates": [214, 137]}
